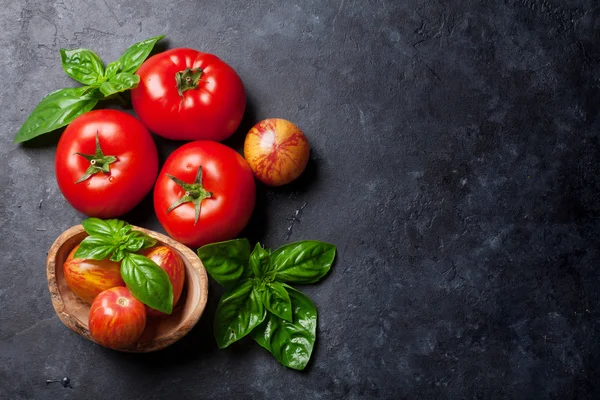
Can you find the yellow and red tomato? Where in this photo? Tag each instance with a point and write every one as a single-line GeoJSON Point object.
{"type": "Point", "coordinates": [171, 262]}
{"type": "Point", "coordinates": [117, 319]}
{"type": "Point", "coordinates": [87, 278]}
{"type": "Point", "coordinates": [277, 151]}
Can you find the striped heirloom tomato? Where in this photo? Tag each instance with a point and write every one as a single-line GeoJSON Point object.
{"type": "Point", "coordinates": [117, 319]}
{"type": "Point", "coordinates": [277, 151]}
{"type": "Point", "coordinates": [87, 278]}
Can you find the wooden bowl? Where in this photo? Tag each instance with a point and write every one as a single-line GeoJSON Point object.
{"type": "Point", "coordinates": [159, 332]}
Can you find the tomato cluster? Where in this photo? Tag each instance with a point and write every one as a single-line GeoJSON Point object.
{"type": "Point", "coordinates": [117, 319]}
{"type": "Point", "coordinates": [107, 162]}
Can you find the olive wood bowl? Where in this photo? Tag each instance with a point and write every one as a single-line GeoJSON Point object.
{"type": "Point", "coordinates": [159, 332]}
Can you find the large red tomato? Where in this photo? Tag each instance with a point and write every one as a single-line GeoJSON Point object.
{"type": "Point", "coordinates": [184, 94]}
{"type": "Point", "coordinates": [204, 193]}
{"type": "Point", "coordinates": [117, 319]}
{"type": "Point", "coordinates": [106, 162]}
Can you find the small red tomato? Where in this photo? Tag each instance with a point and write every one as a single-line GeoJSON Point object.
{"type": "Point", "coordinates": [204, 193]}
{"type": "Point", "coordinates": [169, 260]}
{"type": "Point", "coordinates": [277, 151]}
{"type": "Point", "coordinates": [87, 278]}
{"type": "Point", "coordinates": [185, 94]}
{"type": "Point", "coordinates": [106, 162]}
{"type": "Point", "coordinates": [117, 319]}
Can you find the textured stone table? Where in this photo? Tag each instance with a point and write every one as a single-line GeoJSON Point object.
{"type": "Point", "coordinates": [455, 165]}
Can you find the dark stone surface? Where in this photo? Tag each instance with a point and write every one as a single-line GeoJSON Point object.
{"type": "Point", "coordinates": [455, 165]}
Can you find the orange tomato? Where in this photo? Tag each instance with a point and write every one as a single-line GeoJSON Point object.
{"type": "Point", "coordinates": [277, 151]}
{"type": "Point", "coordinates": [87, 278]}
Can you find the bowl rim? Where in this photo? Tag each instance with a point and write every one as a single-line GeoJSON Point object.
{"type": "Point", "coordinates": [76, 326]}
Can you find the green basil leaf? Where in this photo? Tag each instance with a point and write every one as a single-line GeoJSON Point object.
{"type": "Point", "coordinates": [112, 69]}
{"type": "Point", "coordinates": [83, 65]}
{"type": "Point", "coordinates": [134, 244]}
{"type": "Point", "coordinates": [119, 83]}
{"type": "Point", "coordinates": [118, 255]}
{"type": "Point", "coordinates": [147, 241]}
{"type": "Point", "coordinates": [276, 300]}
{"type": "Point", "coordinates": [134, 56]}
{"type": "Point", "coordinates": [148, 282]}
{"type": "Point", "coordinates": [303, 262]}
{"type": "Point", "coordinates": [57, 110]}
{"type": "Point", "coordinates": [240, 310]}
{"type": "Point", "coordinates": [95, 248]}
{"type": "Point", "coordinates": [291, 343]}
{"type": "Point", "coordinates": [100, 227]}
{"type": "Point", "coordinates": [260, 261]}
{"type": "Point", "coordinates": [226, 261]}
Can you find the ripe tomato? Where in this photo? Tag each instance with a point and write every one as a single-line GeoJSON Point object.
{"type": "Point", "coordinates": [106, 162]}
{"type": "Point", "coordinates": [117, 319]}
{"type": "Point", "coordinates": [204, 193]}
{"type": "Point", "coordinates": [171, 262]}
{"type": "Point", "coordinates": [184, 94]}
{"type": "Point", "coordinates": [87, 278]}
{"type": "Point", "coordinates": [277, 151]}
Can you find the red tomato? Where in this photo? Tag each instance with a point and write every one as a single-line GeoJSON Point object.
{"type": "Point", "coordinates": [277, 151]}
{"type": "Point", "coordinates": [184, 94]}
{"type": "Point", "coordinates": [169, 260]}
{"type": "Point", "coordinates": [87, 278]}
{"type": "Point", "coordinates": [122, 172]}
{"type": "Point", "coordinates": [209, 196]}
{"type": "Point", "coordinates": [117, 319]}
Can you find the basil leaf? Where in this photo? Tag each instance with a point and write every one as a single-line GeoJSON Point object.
{"type": "Point", "coordinates": [95, 248]}
{"type": "Point", "coordinates": [303, 262]}
{"type": "Point", "coordinates": [134, 56]}
{"type": "Point", "coordinates": [148, 282]}
{"type": "Point", "coordinates": [291, 343]}
{"type": "Point", "coordinates": [118, 255]}
{"type": "Point", "coordinates": [99, 227]}
{"type": "Point", "coordinates": [134, 244]}
{"type": "Point", "coordinates": [276, 300]}
{"type": "Point", "coordinates": [147, 241]}
{"type": "Point", "coordinates": [226, 261]}
{"type": "Point", "coordinates": [240, 310]}
{"type": "Point", "coordinates": [112, 69]}
{"type": "Point", "coordinates": [57, 110]}
{"type": "Point", "coordinates": [260, 261]}
{"type": "Point", "coordinates": [83, 65]}
{"type": "Point", "coordinates": [124, 230]}
{"type": "Point", "coordinates": [119, 83]}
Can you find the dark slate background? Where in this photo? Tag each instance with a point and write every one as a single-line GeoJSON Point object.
{"type": "Point", "coordinates": [455, 165]}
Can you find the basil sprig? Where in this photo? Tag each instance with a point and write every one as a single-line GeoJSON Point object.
{"type": "Point", "coordinates": [61, 107]}
{"type": "Point", "coordinates": [116, 240]}
{"type": "Point", "coordinates": [259, 302]}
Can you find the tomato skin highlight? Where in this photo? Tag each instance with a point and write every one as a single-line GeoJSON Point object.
{"type": "Point", "coordinates": [225, 173]}
{"type": "Point", "coordinates": [88, 278]}
{"type": "Point", "coordinates": [277, 151]}
{"type": "Point", "coordinates": [117, 319]}
{"type": "Point", "coordinates": [212, 111]}
{"type": "Point", "coordinates": [131, 176]}
{"type": "Point", "coordinates": [171, 262]}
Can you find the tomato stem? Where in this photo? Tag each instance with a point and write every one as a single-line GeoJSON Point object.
{"type": "Point", "coordinates": [194, 192]}
{"type": "Point", "coordinates": [188, 79]}
{"type": "Point", "coordinates": [98, 162]}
